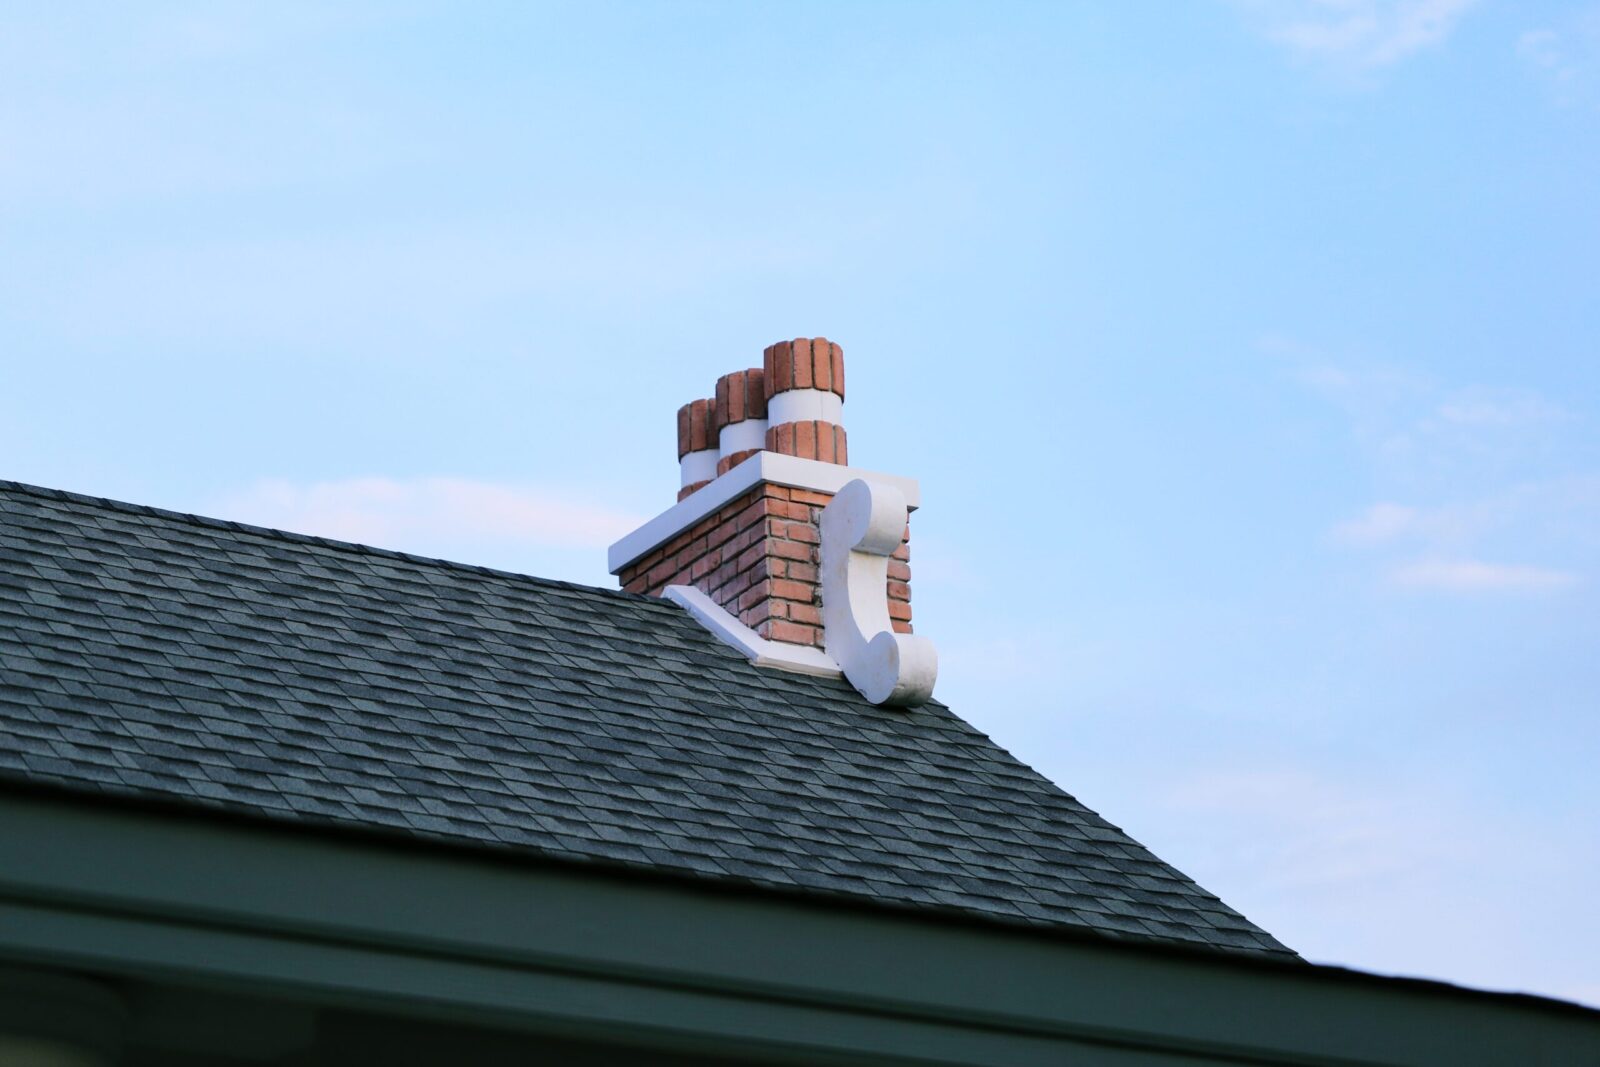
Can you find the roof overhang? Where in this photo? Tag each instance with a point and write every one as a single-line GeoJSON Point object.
{"type": "Point", "coordinates": [431, 932]}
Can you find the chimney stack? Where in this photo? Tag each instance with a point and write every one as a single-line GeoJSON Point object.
{"type": "Point", "coordinates": [741, 417]}
{"type": "Point", "coordinates": [805, 399]}
{"type": "Point", "coordinates": [744, 548]}
{"type": "Point", "coordinates": [697, 448]}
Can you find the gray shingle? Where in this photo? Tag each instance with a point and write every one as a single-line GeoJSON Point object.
{"type": "Point", "coordinates": [146, 652]}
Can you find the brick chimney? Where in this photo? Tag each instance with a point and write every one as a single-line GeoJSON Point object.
{"type": "Point", "coordinates": [743, 547]}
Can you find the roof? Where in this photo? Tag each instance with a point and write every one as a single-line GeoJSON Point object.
{"type": "Point", "coordinates": [150, 654]}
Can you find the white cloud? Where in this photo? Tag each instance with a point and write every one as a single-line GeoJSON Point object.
{"type": "Point", "coordinates": [1542, 48]}
{"type": "Point", "coordinates": [1439, 528]}
{"type": "Point", "coordinates": [420, 514]}
{"type": "Point", "coordinates": [1498, 407]}
{"type": "Point", "coordinates": [1566, 59]}
{"type": "Point", "coordinates": [1476, 576]}
{"type": "Point", "coordinates": [1379, 523]}
{"type": "Point", "coordinates": [1357, 34]}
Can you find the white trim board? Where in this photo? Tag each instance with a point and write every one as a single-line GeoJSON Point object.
{"type": "Point", "coordinates": [805, 405]}
{"type": "Point", "coordinates": [802, 659]}
{"type": "Point", "coordinates": [763, 467]}
{"type": "Point", "coordinates": [742, 436]}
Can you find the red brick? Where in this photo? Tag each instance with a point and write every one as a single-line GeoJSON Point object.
{"type": "Point", "coordinates": [902, 553]}
{"type": "Point", "coordinates": [805, 439]}
{"type": "Point", "coordinates": [683, 431]}
{"type": "Point", "coordinates": [821, 363]}
{"type": "Point", "coordinates": [727, 463]}
{"type": "Point", "coordinates": [899, 591]}
{"type": "Point", "coordinates": [825, 442]}
{"type": "Point", "coordinates": [806, 613]}
{"type": "Point", "coordinates": [743, 541]}
{"type": "Point", "coordinates": [755, 393]}
{"type": "Point", "coordinates": [801, 531]}
{"type": "Point", "coordinates": [719, 535]}
{"type": "Point", "coordinates": [779, 365]}
{"type": "Point", "coordinates": [756, 510]}
{"type": "Point", "coordinates": [791, 550]}
{"type": "Point", "coordinates": [898, 571]}
{"type": "Point", "coordinates": [837, 357]}
{"type": "Point", "coordinates": [899, 609]}
{"type": "Point", "coordinates": [702, 434]}
{"type": "Point", "coordinates": [806, 496]}
{"type": "Point", "coordinates": [841, 447]}
{"type": "Point", "coordinates": [758, 592]}
{"type": "Point", "coordinates": [802, 363]}
{"type": "Point", "coordinates": [801, 572]}
{"type": "Point", "coordinates": [901, 626]}
{"type": "Point", "coordinates": [750, 556]}
{"type": "Point", "coordinates": [791, 590]}
{"type": "Point", "coordinates": [637, 585]}
{"type": "Point", "coordinates": [794, 633]}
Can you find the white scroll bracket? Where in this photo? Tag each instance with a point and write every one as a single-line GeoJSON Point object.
{"type": "Point", "coordinates": [861, 528]}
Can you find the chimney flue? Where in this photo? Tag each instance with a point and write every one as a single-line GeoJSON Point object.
{"type": "Point", "coordinates": [805, 399]}
{"type": "Point", "coordinates": [741, 417]}
{"type": "Point", "coordinates": [697, 446]}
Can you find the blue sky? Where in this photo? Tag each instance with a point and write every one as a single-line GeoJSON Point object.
{"type": "Point", "coordinates": [1248, 354]}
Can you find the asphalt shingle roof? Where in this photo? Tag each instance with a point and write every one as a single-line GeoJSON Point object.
{"type": "Point", "coordinates": [144, 652]}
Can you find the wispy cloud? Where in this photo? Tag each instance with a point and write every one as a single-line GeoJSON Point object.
{"type": "Point", "coordinates": [1444, 540]}
{"type": "Point", "coordinates": [1489, 407]}
{"type": "Point", "coordinates": [1476, 576]}
{"type": "Point", "coordinates": [1356, 34]}
{"type": "Point", "coordinates": [1566, 58]}
{"type": "Point", "coordinates": [1469, 479]}
{"type": "Point", "coordinates": [1445, 529]}
{"type": "Point", "coordinates": [1378, 524]}
{"type": "Point", "coordinates": [429, 515]}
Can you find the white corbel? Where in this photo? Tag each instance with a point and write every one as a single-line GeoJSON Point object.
{"type": "Point", "coordinates": [861, 528]}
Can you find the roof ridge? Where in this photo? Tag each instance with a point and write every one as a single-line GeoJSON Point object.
{"type": "Point", "coordinates": [193, 519]}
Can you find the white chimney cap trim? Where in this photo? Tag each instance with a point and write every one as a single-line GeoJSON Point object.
{"type": "Point", "coordinates": [698, 466]}
{"type": "Point", "coordinates": [803, 659]}
{"type": "Point", "coordinates": [774, 467]}
{"type": "Point", "coordinates": [805, 405]}
{"type": "Point", "coordinates": [742, 436]}
{"type": "Point", "coordinates": [861, 528]}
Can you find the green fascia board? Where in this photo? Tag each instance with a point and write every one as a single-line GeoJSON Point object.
{"type": "Point", "coordinates": [112, 888]}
